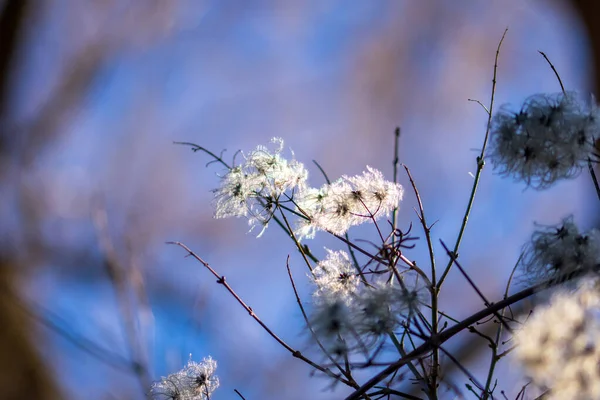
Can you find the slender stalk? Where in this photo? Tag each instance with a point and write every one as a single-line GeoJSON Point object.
{"type": "Point", "coordinates": [594, 178]}
{"type": "Point", "coordinates": [480, 164]}
{"type": "Point", "coordinates": [438, 340]}
{"type": "Point", "coordinates": [310, 328]}
{"type": "Point", "coordinates": [196, 148]}
{"type": "Point", "coordinates": [474, 286]}
{"type": "Point", "coordinates": [395, 165]}
{"type": "Point", "coordinates": [402, 352]}
{"type": "Point", "coordinates": [295, 353]}
{"type": "Point", "coordinates": [495, 357]}
{"type": "Point", "coordinates": [298, 245]}
{"type": "Point", "coordinates": [562, 87]}
{"type": "Point", "coordinates": [433, 289]}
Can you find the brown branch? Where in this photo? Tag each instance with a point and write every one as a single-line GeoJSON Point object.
{"type": "Point", "coordinates": [436, 341]}
{"type": "Point", "coordinates": [295, 353]}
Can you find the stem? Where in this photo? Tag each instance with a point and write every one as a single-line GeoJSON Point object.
{"type": "Point", "coordinates": [395, 164]}
{"type": "Point", "coordinates": [293, 236]}
{"type": "Point", "coordinates": [433, 289]}
{"type": "Point", "coordinates": [312, 331]}
{"type": "Point", "coordinates": [594, 178]}
{"type": "Point", "coordinates": [196, 147]}
{"type": "Point", "coordinates": [494, 359]}
{"type": "Point", "coordinates": [295, 353]}
{"type": "Point", "coordinates": [438, 340]}
{"type": "Point", "coordinates": [480, 164]}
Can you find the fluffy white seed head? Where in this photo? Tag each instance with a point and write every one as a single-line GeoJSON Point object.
{"type": "Point", "coordinates": [559, 346]}
{"type": "Point", "coordinates": [558, 250]}
{"type": "Point", "coordinates": [549, 139]}
{"type": "Point", "coordinates": [196, 381]}
{"type": "Point", "coordinates": [347, 202]}
{"type": "Point", "coordinates": [335, 276]}
{"type": "Point", "coordinates": [358, 320]}
{"type": "Point", "coordinates": [251, 188]}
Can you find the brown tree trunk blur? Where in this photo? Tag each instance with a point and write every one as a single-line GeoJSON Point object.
{"type": "Point", "coordinates": [23, 375]}
{"type": "Point", "coordinates": [589, 11]}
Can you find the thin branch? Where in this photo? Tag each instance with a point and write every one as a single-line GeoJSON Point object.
{"type": "Point", "coordinates": [594, 178]}
{"type": "Point", "coordinates": [322, 172]}
{"type": "Point", "coordinates": [295, 353]}
{"type": "Point", "coordinates": [495, 357]}
{"type": "Point", "coordinates": [196, 148]}
{"type": "Point", "coordinates": [85, 345]}
{"type": "Point", "coordinates": [118, 279]}
{"type": "Point", "coordinates": [433, 289]}
{"type": "Point", "coordinates": [450, 332]}
{"type": "Point", "coordinates": [462, 368]}
{"type": "Point", "coordinates": [309, 325]}
{"type": "Point", "coordinates": [473, 285]}
{"type": "Point", "coordinates": [480, 164]}
{"type": "Point", "coordinates": [481, 104]}
{"type": "Point", "coordinates": [562, 87]}
{"type": "Point", "coordinates": [395, 164]}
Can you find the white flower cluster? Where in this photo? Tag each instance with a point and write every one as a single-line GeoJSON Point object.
{"type": "Point", "coordinates": [335, 275]}
{"type": "Point", "coordinates": [196, 381]}
{"type": "Point", "coordinates": [559, 346]}
{"type": "Point", "coordinates": [347, 202]}
{"type": "Point", "coordinates": [551, 138]}
{"type": "Point", "coordinates": [349, 317]}
{"type": "Point", "coordinates": [252, 187]}
{"type": "Point", "coordinates": [558, 250]}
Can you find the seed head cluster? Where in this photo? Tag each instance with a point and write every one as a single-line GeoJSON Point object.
{"type": "Point", "coordinates": [335, 276]}
{"type": "Point", "coordinates": [196, 381]}
{"type": "Point", "coordinates": [558, 250]}
{"type": "Point", "coordinates": [349, 201]}
{"type": "Point", "coordinates": [549, 139]}
{"type": "Point", "coordinates": [251, 189]}
{"type": "Point", "coordinates": [347, 316]}
{"type": "Point", "coordinates": [559, 346]}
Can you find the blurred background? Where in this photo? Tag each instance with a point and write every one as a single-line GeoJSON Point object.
{"type": "Point", "coordinates": [95, 305]}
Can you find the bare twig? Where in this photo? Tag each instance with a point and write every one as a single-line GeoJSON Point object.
{"type": "Point", "coordinates": [119, 281]}
{"type": "Point", "coordinates": [434, 341]}
{"type": "Point", "coordinates": [395, 164]}
{"type": "Point", "coordinates": [309, 325]}
{"type": "Point", "coordinates": [433, 289]}
{"type": "Point", "coordinates": [562, 87]}
{"type": "Point", "coordinates": [473, 285]}
{"type": "Point", "coordinates": [480, 164]}
{"type": "Point", "coordinates": [295, 353]}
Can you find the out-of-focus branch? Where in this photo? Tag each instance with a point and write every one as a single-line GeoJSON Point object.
{"type": "Point", "coordinates": [22, 372]}
{"type": "Point", "coordinates": [119, 278]}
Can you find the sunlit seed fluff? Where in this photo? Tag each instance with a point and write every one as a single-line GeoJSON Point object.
{"type": "Point", "coordinates": [335, 276]}
{"type": "Point", "coordinates": [252, 188]}
{"type": "Point", "coordinates": [196, 381]}
{"type": "Point", "coordinates": [347, 202]}
{"type": "Point", "coordinates": [549, 139]}
{"type": "Point", "coordinates": [559, 250]}
{"type": "Point", "coordinates": [231, 199]}
{"type": "Point", "coordinates": [559, 345]}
